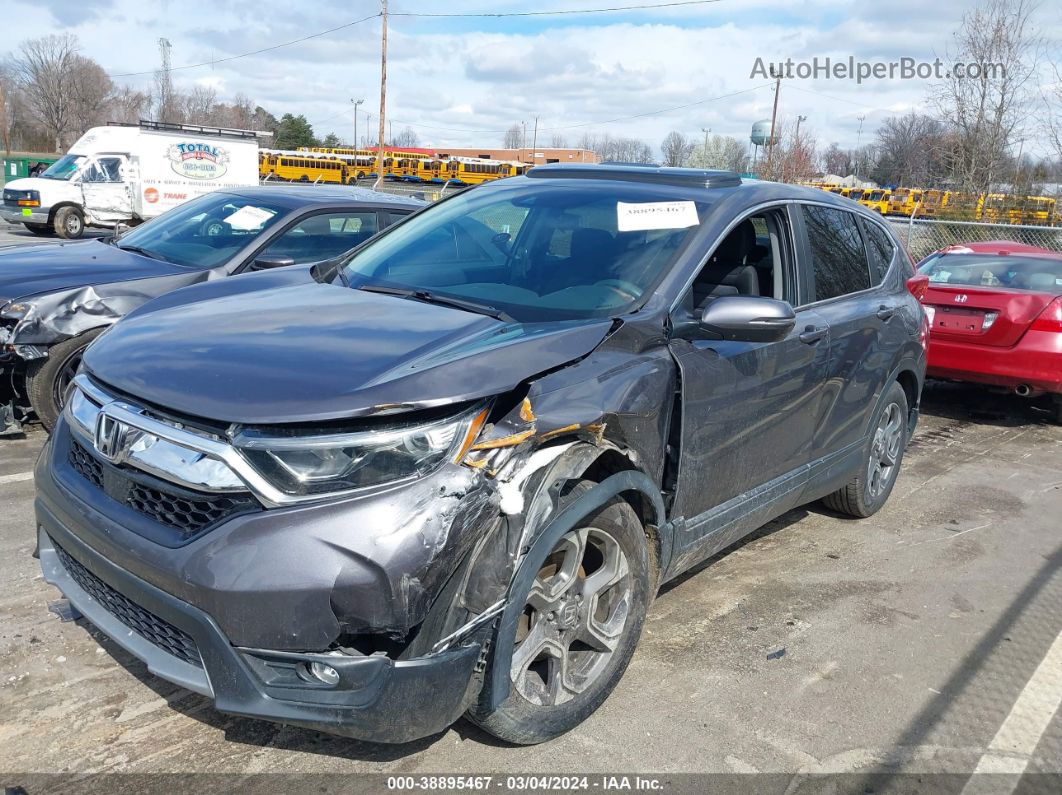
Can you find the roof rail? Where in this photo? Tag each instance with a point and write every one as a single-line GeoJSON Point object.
{"type": "Point", "coordinates": [165, 126]}
{"type": "Point", "coordinates": [630, 172]}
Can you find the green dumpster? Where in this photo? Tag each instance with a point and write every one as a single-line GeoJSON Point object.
{"type": "Point", "coordinates": [25, 164]}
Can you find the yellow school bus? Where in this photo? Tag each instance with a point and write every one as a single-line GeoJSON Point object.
{"type": "Point", "coordinates": [876, 199]}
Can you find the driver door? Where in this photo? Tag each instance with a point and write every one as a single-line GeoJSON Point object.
{"type": "Point", "coordinates": [106, 188]}
{"type": "Point", "coordinates": [749, 409]}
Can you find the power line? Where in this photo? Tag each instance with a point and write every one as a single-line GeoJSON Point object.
{"type": "Point", "coordinates": [482, 14]}
{"type": "Point", "coordinates": [253, 52]}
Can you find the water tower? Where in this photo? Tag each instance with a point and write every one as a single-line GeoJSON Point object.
{"type": "Point", "coordinates": [761, 135]}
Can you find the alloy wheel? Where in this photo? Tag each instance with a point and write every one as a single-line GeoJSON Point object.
{"type": "Point", "coordinates": [885, 450]}
{"type": "Point", "coordinates": [574, 618]}
{"type": "Point", "coordinates": [65, 376]}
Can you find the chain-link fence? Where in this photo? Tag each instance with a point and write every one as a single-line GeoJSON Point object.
{"type": "Point", "coordinates": [924, 236]}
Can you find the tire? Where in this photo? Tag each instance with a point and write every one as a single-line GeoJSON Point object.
{"type": "Point", "coordinates": [532, 713]}
{"type": "Point", "coordinates": [69, 223]}
{"type": "Point", "coordinates": [39, 229]}
{"type": "Point", "coordinates": [47, 379]}
{"type": "Point", "coordinates": [864, 494]}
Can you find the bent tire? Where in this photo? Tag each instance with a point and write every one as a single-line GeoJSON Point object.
{"type": "Point", "coordinates": [69, 223]}
{"type": "Point", "coordinates": [39, 229]}
{"type": "Point", "coordinates": [864, 494]}
{"type": "Point", "coordinates": [48, 379]}
{"type": "Point", "coordinates": [580, 624]}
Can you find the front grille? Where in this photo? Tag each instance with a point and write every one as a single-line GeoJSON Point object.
{"type": "Point", "coordinates": [187, 512]}
{"type": "Point", "coordinates": [143, 622]}
{"type": "Point", "coordinates": [87, 466]}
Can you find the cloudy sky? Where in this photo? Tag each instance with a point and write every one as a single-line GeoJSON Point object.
{"type": "Point", "coordinates": [463, 81]}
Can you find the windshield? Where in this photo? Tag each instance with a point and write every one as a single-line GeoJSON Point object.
{"type": "Point", "coordinates": [1041, 274]}
{"type": "Point", "coordinates": [203, 232]}
{"type": "Point", "coordinates": [536, 250]}
{"type": "Point", "coordinates": [63, 168]}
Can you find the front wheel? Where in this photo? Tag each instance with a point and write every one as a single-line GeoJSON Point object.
{"type": "Point", "coordinates": [69, 223]}
{"type": "Point", "coordinates": [864, 494]}
{"type": "Point", "coordinates": [581, 621]}
{"type": "Point", "coordinates": [48, 379]}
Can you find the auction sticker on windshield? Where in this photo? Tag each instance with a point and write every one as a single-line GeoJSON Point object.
{"type": "Point", "coordinates": [248, 218]}
{"type": "Point", "coordinates": [642, 216]}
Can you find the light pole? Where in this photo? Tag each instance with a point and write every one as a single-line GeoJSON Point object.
{"type": "Point", "coordinates": [355, 103]}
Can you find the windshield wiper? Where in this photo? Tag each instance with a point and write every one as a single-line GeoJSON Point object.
{"type": "Point", "coordinates": [442, 300]}
{"type": "Point", "coordinates": [144, 252]}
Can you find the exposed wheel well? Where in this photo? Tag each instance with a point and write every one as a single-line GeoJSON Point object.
{"type": "Point", "coordinates": [609, 463]}
{"type": "Point", "coordinates": [909, 382]}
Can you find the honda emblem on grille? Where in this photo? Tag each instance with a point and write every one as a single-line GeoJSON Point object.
{"type": "Point", "coordinates": [113, 438]}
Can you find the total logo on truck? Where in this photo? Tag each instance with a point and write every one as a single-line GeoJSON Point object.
{"type": "Point", "coordinates": [130, 173]}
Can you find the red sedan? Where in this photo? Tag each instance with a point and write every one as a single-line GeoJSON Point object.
{"type": "Point", "coordinates": [995, 316]}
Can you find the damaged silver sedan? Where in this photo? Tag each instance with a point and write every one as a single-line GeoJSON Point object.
{"type": "Point", "coordinates": [447, 475]}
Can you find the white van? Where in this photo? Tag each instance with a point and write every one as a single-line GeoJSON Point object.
{"type": "Point", "coordinates": [129, 173]}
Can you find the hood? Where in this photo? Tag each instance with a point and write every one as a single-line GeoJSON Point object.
{"type": "Point", "coordinates": [32, 270]}
{"type": "Point", "coordinates": [321, 351]}
{"type": "Point", "coordinates": [42, 185]}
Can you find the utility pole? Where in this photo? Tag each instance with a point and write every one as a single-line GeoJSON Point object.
{"type": "Point", "coordinates": [799, 119]}
{"type": "Point", "coordinates": [859, 136]}
{"type": "Point", "coordinates": [534, 141]}
{"type": "Point", "coordinates": [706, 130]}
{"type": "Point", "coordinates": [383, 98]}
{"type": "Point", "coordinates": [355, 103]}
{"type": "Point", "coordinates": [774, 118]}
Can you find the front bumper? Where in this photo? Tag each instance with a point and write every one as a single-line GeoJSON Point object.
{"type": "Point", "coordinates": [16, 215]}
{"type": "Point", "coordinates": [377, 699]}
{"type": "Point", "coordinates": [1035, 361]}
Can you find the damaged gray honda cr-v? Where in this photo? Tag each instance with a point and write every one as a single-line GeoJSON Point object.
{"type": "Point", "coordinates": [449, 475]}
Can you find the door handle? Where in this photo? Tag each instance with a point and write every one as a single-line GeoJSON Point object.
{"type": "Point", "coordinates": [886, 312]}
{"type": "Point", "coordinates": [811, 335]}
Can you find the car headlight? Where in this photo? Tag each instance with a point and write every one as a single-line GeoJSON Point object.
{"type": "Point", "coordinates": [15, 310]}
{"type": "Point", "coordinates": [303, 464]}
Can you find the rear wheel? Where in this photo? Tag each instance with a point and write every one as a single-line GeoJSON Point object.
{"type": "Point", "coordinates": [69, 223]}
{"type": "Point", "coordinates": [864, 494]}
{"type": "Point", "coordinates": [48, 379]}
{"type": "Point", "coordinates": [39, 229]}
{"type": "Point", "coordinates": [579, 627]}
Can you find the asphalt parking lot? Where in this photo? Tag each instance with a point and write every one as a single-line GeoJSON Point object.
{"type": "Point", "coordinates": [926, 639]}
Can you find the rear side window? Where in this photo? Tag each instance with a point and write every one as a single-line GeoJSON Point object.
{"type": "Point", "coordinates": [838, 258]}
{"type": "Point", "coordinates": [879, 250]}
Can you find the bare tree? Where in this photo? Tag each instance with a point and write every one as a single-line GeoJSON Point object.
{"type": "Point", "coordinates": [1053, 115]}
{"type": "Point", "coordinates": [513, 137]}
{"type": "Point", "coordinates": [837, 161]}
{"type": "Point", "coordinates": [676, 149]}
{"type": "Point", "coordinates": [558, 141]}
{"type": "Point", "coordinates": [626, 150]}
{"type": "Point", "coordinates": [44, 72]}
{"type": "Point", "coordinates": [794, 157]}
{"type": "Point", "coordinates": [910, 151]}
{"type": "Point", "coordinates": [408, 138]}
{"type": "Point", "coordinates": [986, 112]}
{"type": "Point", "coordinates": [199, 104]}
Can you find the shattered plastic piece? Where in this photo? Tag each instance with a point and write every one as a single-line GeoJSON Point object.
{"type": "Point", "coordinates": [526, 414]}
{"type": "Point", "coordinates": [505, 441]}
{"type": "Point", "coordinates": [66, 611]}
{"type": "Point", "coordinates": [777, 654]}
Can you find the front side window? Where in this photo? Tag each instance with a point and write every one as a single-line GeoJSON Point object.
{"type": "Point", "coordinates": [838, 258]}
{"type": "Point", "coordinates": [105, 169]}
{"type": "Point", "coordinates": [324, 236]}
{"type": "Point", "coordinates": [536, 250]}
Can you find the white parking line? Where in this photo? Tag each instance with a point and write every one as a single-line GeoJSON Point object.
{"type": "Point", "coordinates": [1020, 733]}
{"type": "Point", "coordinates": [18, 476]}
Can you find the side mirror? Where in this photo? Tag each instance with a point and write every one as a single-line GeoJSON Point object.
{"type": "Point", "coordinates": [269, 261]}
{"type": "Point", "coordinates": [748, 318]}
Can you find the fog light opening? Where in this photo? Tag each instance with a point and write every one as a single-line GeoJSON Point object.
{"type": "Point", "coordinates": [324, 673]}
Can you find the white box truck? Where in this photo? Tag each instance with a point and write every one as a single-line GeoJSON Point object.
{"type": "Point", "coordinates": [127, 173]}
